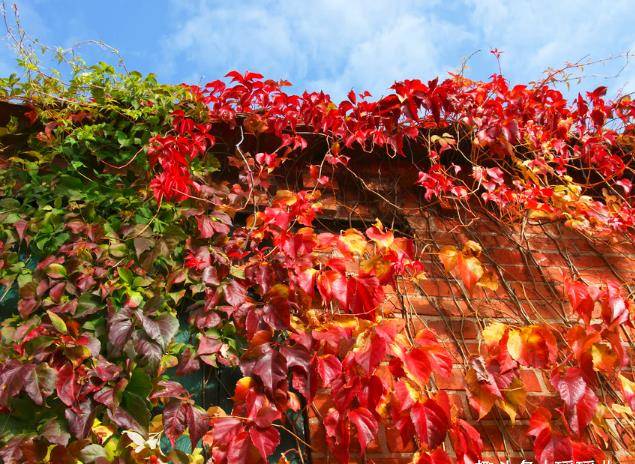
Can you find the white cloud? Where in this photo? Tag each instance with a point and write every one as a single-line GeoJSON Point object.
{"type": "Point", "coordinates": [538, 34]}
{"type": "Point", "coordinates": [336, 45]}
{"type": "Point", "coordinates": [326, 44]}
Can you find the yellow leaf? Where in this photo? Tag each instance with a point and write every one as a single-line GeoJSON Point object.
{"type": "Point", "coordinates": [57, 322]}
{"type": "Point", "coordinates": [377, 265]}
{"type": "Point", "coordinates": [472, 247]}
{"type": "Point", "coordinates": [196, 457]}
{"type": "Point", "coordinates": [167, 361]}
{"type": "Point", "coordinates": [514, 344]}
{"type": "Point", "coordinates": [621, 409]}
{"type": "Point", "coordinates": [507, 409]}
{"type": "Point", "coordinates": [102, 431]}
{"type": "Point", "coordinates": [242, 388]}
{"type": "Point", "coordinates": [532, 346]}
{"type": "Point", "coordinates": [493, 333]}
{"type": "Point", "coordinates": [627, 385]}
{"type": "Point", "coordinates": [515, 399]}
{"type": "Point", "coordinates": [112, 448]}
{"type": "Point", "coordinates": [352, 241]}
{"type": "Point", "coordinates": [480, 398]}
{"type": "Point", "coordinates": [156, 424]}
{"type": "Point", "coordinates": [255, 220]}
{"type": "Point", "coordinates": [604, 358]}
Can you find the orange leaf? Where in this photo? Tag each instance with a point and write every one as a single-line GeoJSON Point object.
{"type": "Point", "coordinates": [448, 256]}
{"type": "Point", "coordinates": [377, 234]}
{"type": "Point", "coordinates": [532, 346]}
{"type": "Point", "coordinates": [470, 270]}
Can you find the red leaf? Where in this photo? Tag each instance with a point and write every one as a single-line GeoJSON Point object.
{"type": "Point", "coordinates": [80, 419]}
{"type": "Point", "coordinates": [470, 270]}
{"type": "Point", "coordinates": [366, 425]}
{"type": "Point", "coordinates": [238, 448]}
{"type": "Point", "coordinates": [438, 456]}
{"type": "Point", "coordinates": [13, 375]}
{"type": "Point", "coordinates": [467, 442]}
{"type": "Point", "coordinates": [431, 422]}
{"type": "Point", "coordinates": [372, 354]}
{"type": "Point", "coordinates": [265, 440]}
{"type": "Point", "coordinates": [428, 357]}
{"type": "Point", "coordinates": [20, 226]}
{"type": "Point", "coordinates": [332, 286]}
{"type": "Point", "coordinates": [120, 328]}
{"type": "Point", "coordinates": [580, 299]}
{"type": "Point", "coordinates": [169, 389]}
{"type": "Point", "coordinates": [205, 226]}
{"type": "Point", "coordinates": [338, 435]}
{"type": "Point", "coordinates": [174, 420]}
{"type": "Point", "coordinates": [67, 388]}
{"type": "Point", "coordinates": [197, 423]}
{"type": "Point", "coordinates": [377, 234]}
{"type": "Point", "coordinates": [235, 293]}
{"type": "Point", "coordinates": [614, 307]}
{"type": "Point", "coordinates": [224, 429]}
{"type": "Point", "coordinates": [271, 368]}
{"type": "Point", "coordinates": [329, 368]}
{"type": "Point", "coordinates": [306, 280]}
{"type": "Point", "coordinates": [570, 386]}
{"type": "Point", "coordinates": [579, 400]}
{"type": "Point", "coordinates": [540, 420]}
{"type": "Point", "coordinates": [581, 452]}
{"type": "Point", "coordinates": [363, 295]}
{"type": "Point", "coordinates": [552, 447]}
{"type": "Point", "coordinates": [39, 382]}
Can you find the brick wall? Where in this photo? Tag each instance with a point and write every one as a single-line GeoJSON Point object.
{"type": "Point", "coordinates": [530, 262]}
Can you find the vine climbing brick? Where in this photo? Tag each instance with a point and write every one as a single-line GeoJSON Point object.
{"type": "Point", "coordinates": [532, 260]}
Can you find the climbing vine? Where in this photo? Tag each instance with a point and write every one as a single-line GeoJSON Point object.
{"type": "Point", "coordinates": [148, 231]}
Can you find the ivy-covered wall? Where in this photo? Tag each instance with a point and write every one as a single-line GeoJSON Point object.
{"type": "Point", "coordinates": [443, 274]}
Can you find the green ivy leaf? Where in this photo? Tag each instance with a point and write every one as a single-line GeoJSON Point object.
{"type": "Point", "coordinates": [56, 271]}
{"type": "Point", "coordinates": [57, 322]}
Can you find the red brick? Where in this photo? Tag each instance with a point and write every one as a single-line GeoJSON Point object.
{"type": "Point", "coordinates": [423, 307]}
{"type": "Point", "coordinates": [588, 261]}
{"type": "Point", "coordinates": [492, 437]}
{"type": "Point", "coordinates": [504, 256]}
{"type": "Point", "coordinates": [438, 288]}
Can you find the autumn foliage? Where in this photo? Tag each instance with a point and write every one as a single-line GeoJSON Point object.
{"type": "Point", "coordinates": [132, 216]}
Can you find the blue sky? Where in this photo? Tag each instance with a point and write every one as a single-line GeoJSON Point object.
{"type": "Point", "coordinates": [336, 45]}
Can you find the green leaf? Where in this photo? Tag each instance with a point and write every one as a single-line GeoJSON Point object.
{"type": "Point", "coordinates": [92, 452]}
{"type": "Point", "coordinates": [137, 407]}
{"type": "Point", "coordinates": [56, 271]}
{"type": "Point", "coordinates": [125, 275]}
{"type": "Point", "coordinates": [140, 383]}
{"type": "Point", "coordinates": [57, 322]}
{"type": "Point", "coordinates": [87, 304]}
{"type": "Point", "coordinates": [118, 250]}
